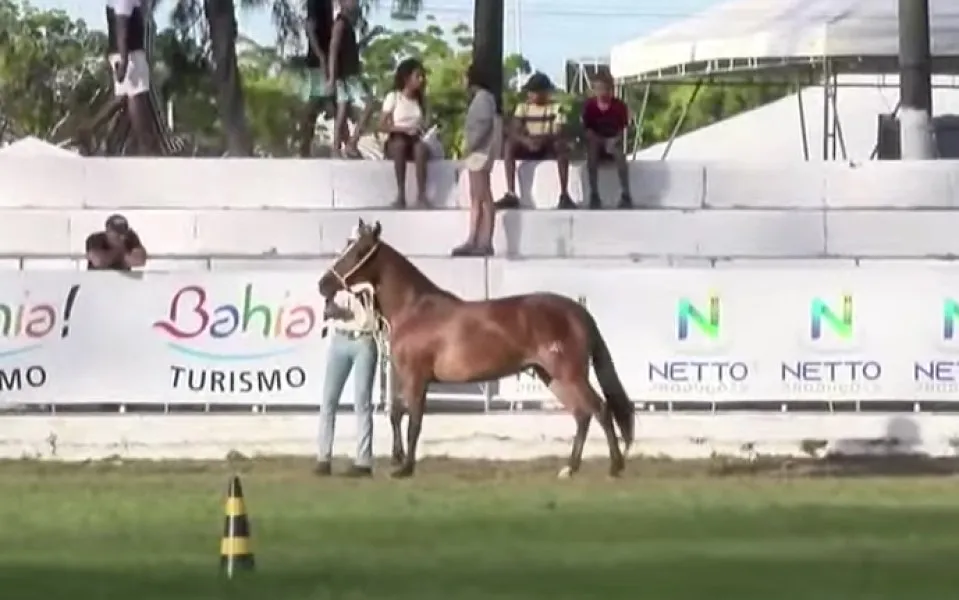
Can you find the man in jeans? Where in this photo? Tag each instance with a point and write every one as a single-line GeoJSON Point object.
{"type": "Point", "coordinates": [352, 347]}
{"type": "Point", "coordinates": [536, 133]}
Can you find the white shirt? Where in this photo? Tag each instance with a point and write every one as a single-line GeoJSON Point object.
{"type": "Point", "coordinates": [124, 8]}
{"type": "Point", "coordinates": [359, 301]}
{"type": "Point", "coordinates": [406, 112]}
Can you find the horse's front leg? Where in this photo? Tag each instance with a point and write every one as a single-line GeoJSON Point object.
{"type": "Point", "coordinates": [414, 396]}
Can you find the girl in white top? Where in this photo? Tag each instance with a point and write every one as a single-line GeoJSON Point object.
{"type": "Point", "coordinates": [404, 119]}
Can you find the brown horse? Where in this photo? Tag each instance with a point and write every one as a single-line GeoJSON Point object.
{"type": "Point", "coordinates": [435, 336]}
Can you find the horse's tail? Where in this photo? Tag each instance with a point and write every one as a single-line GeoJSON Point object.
{"type": "Point", "coordinates": [624, 412]}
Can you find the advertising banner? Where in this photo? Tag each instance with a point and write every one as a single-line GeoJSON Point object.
{"type": "Point", "coordinates": [712, 335]}
{"type": "Point", "coordinates": [715, 335]}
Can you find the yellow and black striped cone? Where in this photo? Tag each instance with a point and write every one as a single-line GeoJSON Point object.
{"type": "Point", "coordinates": [236, 554]}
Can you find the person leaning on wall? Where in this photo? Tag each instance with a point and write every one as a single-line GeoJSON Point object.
{"type": "Point", "coordinates": [116, 248]}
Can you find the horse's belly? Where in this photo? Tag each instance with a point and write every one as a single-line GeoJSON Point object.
{"type": "Point", "coordinates": [467, 363]}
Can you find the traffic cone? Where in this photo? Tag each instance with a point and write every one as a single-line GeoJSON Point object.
{"type": "Point", "coordinates": [235, 551]}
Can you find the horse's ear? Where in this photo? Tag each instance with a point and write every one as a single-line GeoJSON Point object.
{"type": "Point", "coordinates": [361, 225]}
{"type": "Point", "coordinates": [377, 229]}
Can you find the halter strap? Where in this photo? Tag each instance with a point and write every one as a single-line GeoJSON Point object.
{"type": "Point", "coordinates": [344, 279]}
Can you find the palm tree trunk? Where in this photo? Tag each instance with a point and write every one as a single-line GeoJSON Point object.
{"type": "Point", "coordinates": [221, 19]}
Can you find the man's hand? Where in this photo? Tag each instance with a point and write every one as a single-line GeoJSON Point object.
{"type": "Point", "coordinates": [332, 311]}
{"type": "Point", "coordinates": [121, 68]}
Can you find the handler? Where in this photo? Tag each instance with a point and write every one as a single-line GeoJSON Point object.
{"type": "Point", "coordinates": [353, 346]}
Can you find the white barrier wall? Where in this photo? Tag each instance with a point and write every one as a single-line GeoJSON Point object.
{"type": "Point", "coordinates": [714, 336]}
{"type": "Point", "coordinates": [228, 209]}
{"type": "Point", "coordinates": [131, 183]}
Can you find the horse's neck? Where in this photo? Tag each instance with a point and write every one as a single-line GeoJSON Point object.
{"type": "Point", "coordinates": [404, 285]}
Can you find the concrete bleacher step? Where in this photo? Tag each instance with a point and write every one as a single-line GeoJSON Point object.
{"type": "Point", "coordinates": [519, 233]}
{"type": "Point", "coordinates": [44, 182]}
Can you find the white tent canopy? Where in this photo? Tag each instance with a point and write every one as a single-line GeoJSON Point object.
{"type": "Point", "coordinates": [774, 132]}
{"type": "Point", "coordinates": [758, 31]}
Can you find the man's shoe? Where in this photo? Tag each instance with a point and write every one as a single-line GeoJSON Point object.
{"type": "Point", "coordinates": [566, 203]}
{"type": "Point", "coordinates": [508, 201]}
{"type": "Point", "coordinates": [358, 472]}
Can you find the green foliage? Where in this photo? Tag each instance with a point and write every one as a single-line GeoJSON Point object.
{"type": "Point", "coordinates": [47, 67]}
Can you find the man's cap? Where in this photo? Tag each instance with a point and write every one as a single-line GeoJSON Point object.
{"type": "Point", "coordinates": [117, 223]}
{"type": "Point", "coordinates": [538, 82]}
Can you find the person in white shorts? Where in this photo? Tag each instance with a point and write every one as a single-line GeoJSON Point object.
{"type": "Point", "coordinates": [129, 66]}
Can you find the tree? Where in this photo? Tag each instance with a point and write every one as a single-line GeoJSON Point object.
{"type": "Point", "coordinates": [48, 67]}
{"type": "Point", "coordinates": [214, 22]}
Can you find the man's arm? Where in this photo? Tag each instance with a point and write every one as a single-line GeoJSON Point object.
{"type": "Point", "coordinates": [335, 39]}
{"type": "Point", "coordinates": [136, 255]}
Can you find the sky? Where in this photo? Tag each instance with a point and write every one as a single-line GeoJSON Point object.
{"type": "Point", "coordinates": [546, 32]}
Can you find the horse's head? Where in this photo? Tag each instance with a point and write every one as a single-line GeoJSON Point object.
{"type": "Point", "coordinates": [356, 263]}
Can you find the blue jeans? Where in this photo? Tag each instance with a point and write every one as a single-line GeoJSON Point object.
{"type": "Point", "coordinates": [346, 353]}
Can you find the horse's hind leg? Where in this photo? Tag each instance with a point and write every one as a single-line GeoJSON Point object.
{"type": "Point", "coordinates": [583, 419]}
{"type": "Point", "coordinates": [580, 397]}
{"type": "Point", "coordinates": [397, 410]}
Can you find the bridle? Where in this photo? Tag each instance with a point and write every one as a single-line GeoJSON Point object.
{"type": "Point", "coordinates": [344, 278]}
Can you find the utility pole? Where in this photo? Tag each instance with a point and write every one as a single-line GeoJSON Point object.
{"type": "Point", "coordinates": [917, 140]}
{"type": "Point", "coordinates": [488, 17]}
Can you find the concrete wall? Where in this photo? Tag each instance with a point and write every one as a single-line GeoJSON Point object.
{"type": "Point", "coordinates": [190, 210]}
{"type": "Point", "coordinates": [492, 436]}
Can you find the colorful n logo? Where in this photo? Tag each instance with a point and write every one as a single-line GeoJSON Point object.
{"type": "Point", "coordinates": [950, 310]}
{"type": "Point", "coordinates": [707, 324]}
{"type": "Point", "coordinates": [841, 324]}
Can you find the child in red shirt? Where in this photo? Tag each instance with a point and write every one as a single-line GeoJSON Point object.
{"type": "Point", "coordinates": [605, 119]}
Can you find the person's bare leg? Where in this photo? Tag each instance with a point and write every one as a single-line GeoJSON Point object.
{"type": "Point", "coordinates": [509, 166]}
{"type": "Point", "coordinates": [365, 114]}
{"type": "Point", "coordinates": [340, 128]}
{"type": "Point", "coordinates": [562, 164]}
{"type": "Point", "coordinates": [307, 126]}
{"type": "Point", "coordinates": [469, 247]}
{"type": "Point", "coordinates": [396, 150]}
{"type": "Point", "coordinates": [84, 134]}
{"type": "Point", "coordinates": [421, 158]}
{"type": "Point", "coordinates": [487, 212]}
{"type": "Point", "coordinates": [138, 113]}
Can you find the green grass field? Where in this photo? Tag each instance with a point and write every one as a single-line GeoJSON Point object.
{"type": "Point", "coordinates": [459, 531]}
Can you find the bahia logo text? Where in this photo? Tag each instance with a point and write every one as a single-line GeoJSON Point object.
{"type": "Point", "coordinates": [208, 333]}
{"type": "Point", "coordinates": [26, 326]}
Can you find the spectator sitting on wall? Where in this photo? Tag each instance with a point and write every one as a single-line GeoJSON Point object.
{"type": "Point", "coordinates": [116, 248]}
{"type": "Point", "coordinates": [404, 119]}
{"type": "Point", "coordinates": [536, 133]}
{"type": "Point", "coordinates": [605, 119]}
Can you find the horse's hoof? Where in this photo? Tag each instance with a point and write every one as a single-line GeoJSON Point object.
{"type": "Point", "coordinates": [565, 473]}
{"type": "Point", "coordinates": [397, 460]}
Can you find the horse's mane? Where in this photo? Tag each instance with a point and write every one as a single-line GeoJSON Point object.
{"type": "Point", "coordinates": [423, 283]}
